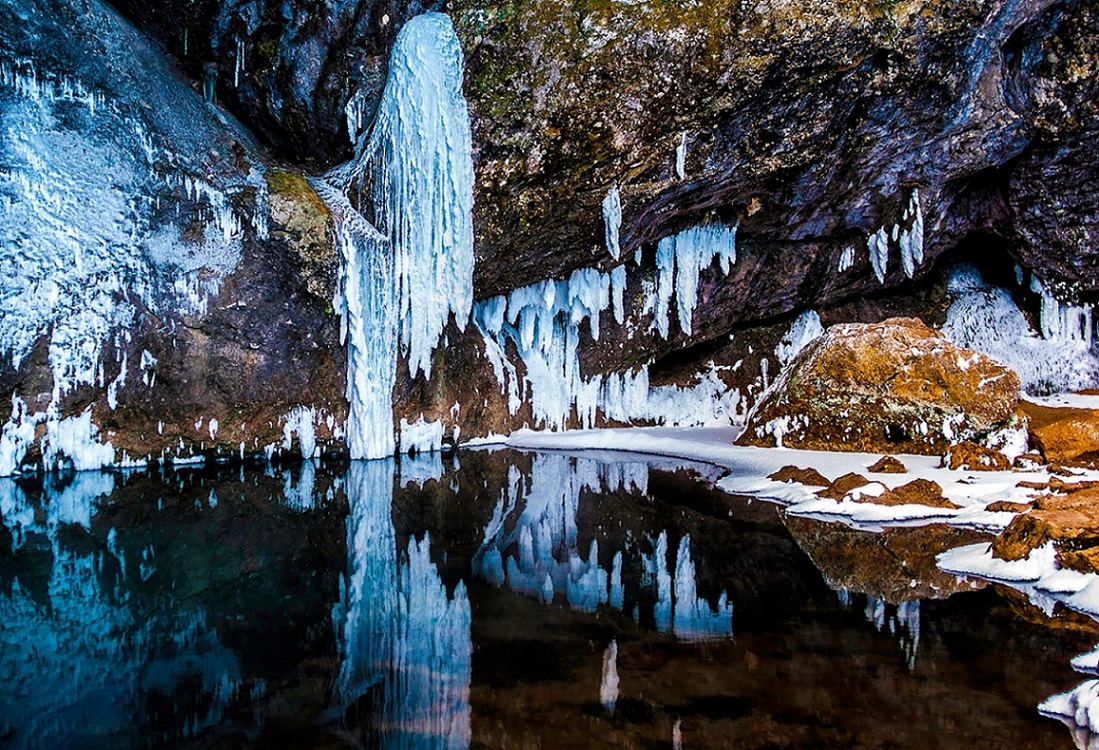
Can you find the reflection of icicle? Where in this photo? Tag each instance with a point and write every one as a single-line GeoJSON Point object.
{"type": "Point", "coordinates": [694, 619]}
{"type": "Point", "coordinates": [608, 684]}
{"type": "Point", "coordinates": [547, 561]}
{"type": "Point", "coordinates": [81, 666]}
{"type": "Point", "coordinates": [411, 639]}
{"type": "Point", "coordinates": [300, 496]}
{"type": "Point", "coordinates": [903, 622]}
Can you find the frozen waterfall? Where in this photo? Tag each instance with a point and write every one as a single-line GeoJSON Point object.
{"type": "Point", "coordinates": [402, 283]}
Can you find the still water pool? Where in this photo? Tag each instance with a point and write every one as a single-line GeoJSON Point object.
{"type": "Point", "coordinates": [497, 599]}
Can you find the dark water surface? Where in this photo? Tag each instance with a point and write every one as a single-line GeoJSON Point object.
{"type": "Point", "coordinates": [515, 600]}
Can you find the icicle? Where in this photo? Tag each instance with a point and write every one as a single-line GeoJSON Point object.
{"type": "Point", "coordinates": [911, 240]}
{"type": "Point", "coordinates": [681, 157]}
{"type": "Point", "coordinates": [878, 244]}
{"type": "Point", "coordinates": [847, 259]}
{"type": "Point", "coordinates": [612, 220]}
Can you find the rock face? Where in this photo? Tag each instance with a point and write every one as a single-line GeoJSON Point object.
{"type": "Point", "coordinates": [897, 386]}
{"type": "Point", "coordinates": [846, 150]}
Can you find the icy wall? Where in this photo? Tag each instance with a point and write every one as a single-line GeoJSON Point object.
{"type": "Point", "coordinates": [543, 323]}
{"type": "Point", "coordinates": [1060, 357]}
{"type": "Point", "coordinates": [404, 282]}
{"type": "Point", "coordinates": [112, 211]}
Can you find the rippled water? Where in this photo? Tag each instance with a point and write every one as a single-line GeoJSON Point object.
{"type": "Point", "coordinates": [504, 600]}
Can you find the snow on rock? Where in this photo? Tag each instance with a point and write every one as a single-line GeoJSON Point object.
{"type": "Point", "coordinates": [985, 318]}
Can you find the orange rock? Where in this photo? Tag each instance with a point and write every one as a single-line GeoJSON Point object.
{"type": "Point", "coordinates": [1006, 506]}
{"type": "Point", "coordinates": [839, 488]}
{"type": "Point", "coordinates": [973, 457]}
{"type": "Point", "coordinates": [892, 387]}
{"type": "Point", "coordinates": [888, 465]}
{"type": "Point", "coordinates": [916, 492]}
{"type": "Point", "coordinates": [1063, 434]}
{"type": "Point", "coordinates": [808, 477]}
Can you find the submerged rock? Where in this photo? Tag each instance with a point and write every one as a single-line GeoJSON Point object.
{"type": "Point", "coordinates": [894, 386]}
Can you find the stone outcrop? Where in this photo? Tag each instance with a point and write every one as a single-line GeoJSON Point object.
{"type": "Point", "coordinates": [896, 386]}
{"type": "Point", "coordinates": [1070, 521]}
{"type": "Point", "coordinates": [973, 457]}
{"type": "Point", "coordinates": [1063, 434]}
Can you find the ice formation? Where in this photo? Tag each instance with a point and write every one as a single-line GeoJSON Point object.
{"type": "Point", "coordinates": [398, 629]}
{"type": "Point", "coordinates": [301, 421]}
{"type": "Point", "coordinates": [679, 261]}
{"type": "Point", "coordinates": [544, 322]}
{"type": "Point", "coordinates": [985, 318]}
{"type": "Point", "coordinates": [805, 329]}
{"type": "Point", "coordinates": [531, 546]}
{"type": "Point", "coordinates": [89, 237]}
{"type": "Point", "coordinates": [878, 245]}
{"type": "Point", "coordinates": [403, 282]}
{"type": "Point", "coordinates": [84, 659]}
{"type": "Point", "coordinates": [902, 620]}
{"type": "Point", "coordinates": [612, 220]}
{"type": "Point", "coordinates": [911, 237]}
{"type": "Point", "coordinates": [847, 259]}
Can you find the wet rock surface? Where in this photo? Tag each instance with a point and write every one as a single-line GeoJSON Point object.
{"type": "Point", "coordinates": [896, 386]}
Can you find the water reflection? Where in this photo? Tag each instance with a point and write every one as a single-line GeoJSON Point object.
{"type": "Point", "coordinates": [509, 600]}
{"type": "Point", "coordinates": [405, 645]}
{"type": "Point", "coordinates": [531, 546]}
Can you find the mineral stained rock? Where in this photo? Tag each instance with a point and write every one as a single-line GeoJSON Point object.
{"type": "Point", "coordinates": [897, 386]}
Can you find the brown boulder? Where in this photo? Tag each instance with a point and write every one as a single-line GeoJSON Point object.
{"type": "Point", "coordinates": [808, 477]}
{"type": "Point", "coordinates": [888, 465]}
{"type": "Point", "coordinates": [1071, 522]}
{"type": "Point", "coordinates": [916, 492]}
{"type": "Point", "coordinates": [896, 386]}
{"type": "Point", "coordinates": [974, 457]}
{"type": "Point", "coordinates": [838, 489]}
{"type": "Point", "coordinates": [1006, 506]}
{"type": "Point", "coordinates": [1063, 434]}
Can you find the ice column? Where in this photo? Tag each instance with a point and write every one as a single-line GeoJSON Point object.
{"type": "Point", "coordinates": [402, 281]}
{"type": "Point", "coordinates": [420, 159]}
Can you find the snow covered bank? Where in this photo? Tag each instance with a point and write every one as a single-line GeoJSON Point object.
{"type": "Point", "coordinates": [749, 468]}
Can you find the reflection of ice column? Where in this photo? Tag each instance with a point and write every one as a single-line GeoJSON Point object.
{"type": "Point", "coordinates": [400, 631]}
